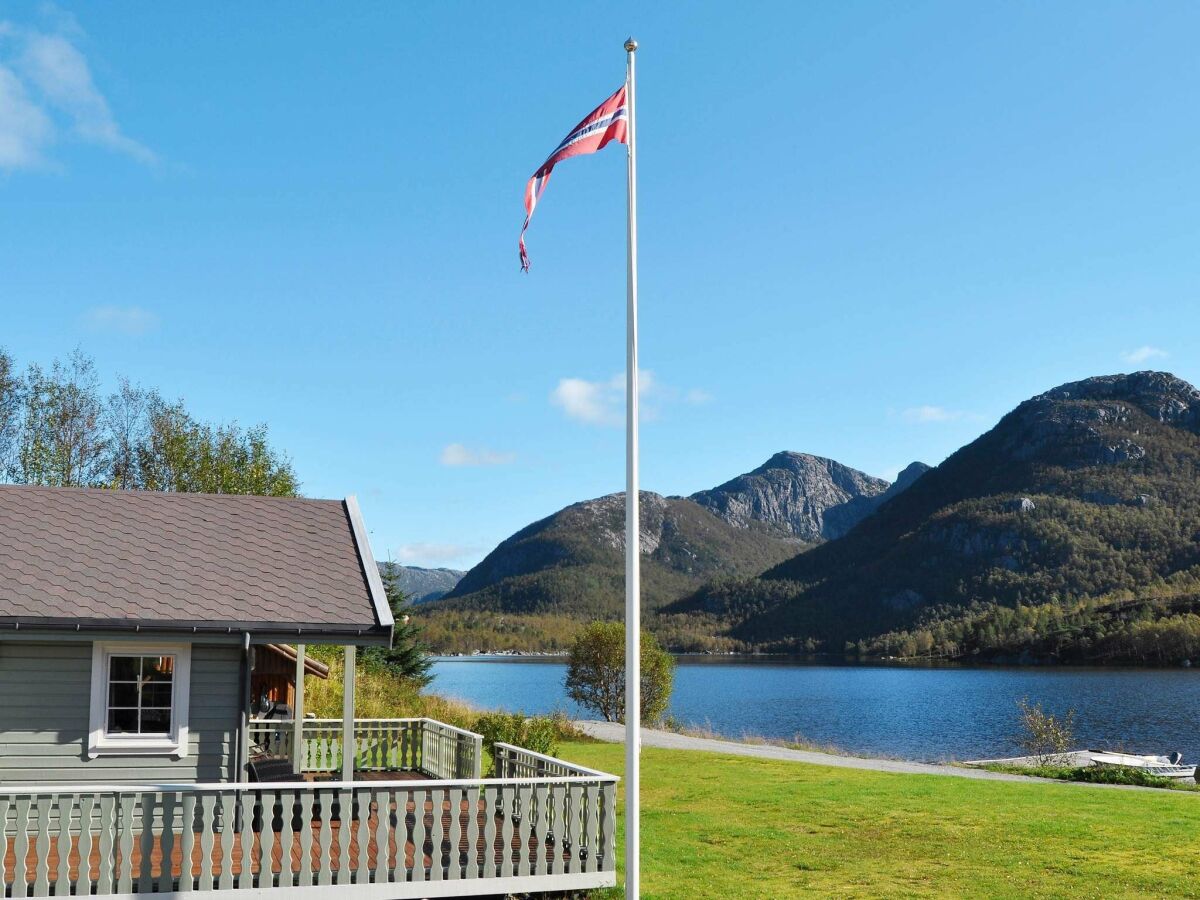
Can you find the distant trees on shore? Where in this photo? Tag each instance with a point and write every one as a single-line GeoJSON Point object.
{"type": "Point", "coordinates": [1158, 631]}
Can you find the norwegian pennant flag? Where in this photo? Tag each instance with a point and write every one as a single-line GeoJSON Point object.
{"type": "Point", "coordinates": [607, 122]}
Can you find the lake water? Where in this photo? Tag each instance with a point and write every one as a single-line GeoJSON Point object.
{"type": "Point", "coordinates": [932, 713]}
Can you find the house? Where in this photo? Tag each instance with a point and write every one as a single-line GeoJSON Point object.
{"type": "Point", "coordinates": [128, 621]}
{"type": "Point", "coordinates": [135, 630]}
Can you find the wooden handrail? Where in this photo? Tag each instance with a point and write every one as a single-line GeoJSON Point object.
{"type": "Point", "coordinates": [381, 745]}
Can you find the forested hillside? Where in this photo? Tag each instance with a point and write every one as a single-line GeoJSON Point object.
{"type": "Point", "coordinates": [1082, 501]}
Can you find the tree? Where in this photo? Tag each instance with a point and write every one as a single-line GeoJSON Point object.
{"type": "Point", "coordinates": [1046, 737]}
{"type": "Point", "coordinates": [11, 403]}
{"type": "Point", "coordinates": [61, 440]}
{"type": "Point", "coordinates": [178, 453]}
{"type": "Point", "coordinates": [408, 657]}
{"type": "Point", "coordinates": [126, 418]}
{"type": "Point", "coordinates": [596, 673]}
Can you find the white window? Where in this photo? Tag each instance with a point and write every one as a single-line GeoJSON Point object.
{"type": "Point", "coordinates": [140, 699]}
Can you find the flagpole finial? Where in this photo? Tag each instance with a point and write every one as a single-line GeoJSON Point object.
{"type": "Point", "coordinates": [630, 44]}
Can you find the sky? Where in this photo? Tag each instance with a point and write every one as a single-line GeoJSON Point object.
{"type": "Point", "coordinates": [867, 230]}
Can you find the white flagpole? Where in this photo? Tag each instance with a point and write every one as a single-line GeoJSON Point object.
{"type": "Point", "coordinates": [633, 620]}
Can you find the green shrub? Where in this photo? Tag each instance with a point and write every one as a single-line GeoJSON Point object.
{"type": "Point", "coordinates": [537, 733]}
{"type": "Point", "coordinates": [1097, 775]}
{"type": "Point", "coordinates": [1047, 738]}
{"type": "Point", "coordinates": [1121, 775]}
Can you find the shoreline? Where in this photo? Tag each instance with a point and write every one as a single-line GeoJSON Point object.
{"type": "Point", "coordinates": [835, 661]}
{"type": "Point", "coordinates": [614, 733]}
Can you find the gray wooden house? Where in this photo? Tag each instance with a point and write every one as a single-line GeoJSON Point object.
{"type": "Point", "coordinates": [130, 627]}
{"type": "Point", "coordinates": [129, 622]}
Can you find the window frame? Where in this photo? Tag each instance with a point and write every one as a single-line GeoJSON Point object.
{"type": "Point", "coordinates": [175, 741]}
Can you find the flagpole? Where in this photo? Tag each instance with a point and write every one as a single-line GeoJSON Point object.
{"type": "Point", "coordinates": [633, 619]}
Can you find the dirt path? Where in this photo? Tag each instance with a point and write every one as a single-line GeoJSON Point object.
{"type": "Point", "coordinates": [615, 733]}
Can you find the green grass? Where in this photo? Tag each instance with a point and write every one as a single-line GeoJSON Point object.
{"type": "Point", "coordinates": [735, 827]}
{"type": "Point", "coordinates": [1097, 775]}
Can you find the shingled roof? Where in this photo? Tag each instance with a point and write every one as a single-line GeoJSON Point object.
{"type": "Point", "coordinates": [207, 562]}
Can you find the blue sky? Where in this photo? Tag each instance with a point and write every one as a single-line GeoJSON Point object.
{"type": "Point", "coordinates": [867, 230]}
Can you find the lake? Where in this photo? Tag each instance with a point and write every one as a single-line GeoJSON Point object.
{"type": "Point", "coordinates": [923, 713]}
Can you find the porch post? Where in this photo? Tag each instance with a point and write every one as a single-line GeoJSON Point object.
{"type": "Point", "coordinates": [298, 713]}
{"type": "Point", "coordinates": [349, 744]}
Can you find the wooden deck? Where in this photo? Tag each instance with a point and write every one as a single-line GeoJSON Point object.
{"type": "Point", "coordinates": [419, 821]}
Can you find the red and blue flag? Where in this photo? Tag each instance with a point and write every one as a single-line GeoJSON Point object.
{"type": "Point", "coordinates": [607, 122]}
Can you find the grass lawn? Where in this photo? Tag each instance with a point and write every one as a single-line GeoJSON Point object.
{"type": "Point", "coordinates": [733, 827]}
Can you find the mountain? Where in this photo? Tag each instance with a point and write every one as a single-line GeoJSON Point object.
{"type": "Point", "coordinates": [796, 494]}
{"type": "Point", "coordinates": [573, 561]}
{"type": "Point", "coordinates": [1080, 498]}
{"type": "Point", "coordinates": [903, 482]}
{"type": "Point", "coordinates": [425, 585]}
{"type": "Point", "coordinates": [533, 589]}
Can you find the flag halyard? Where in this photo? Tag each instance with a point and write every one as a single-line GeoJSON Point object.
{"type": "Point", "coordinates": [607, 122]}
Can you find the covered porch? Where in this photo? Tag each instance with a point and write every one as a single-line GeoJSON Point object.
{"type": "Point", "coordinates": [381, 808]}
{"type": "Point", "coordinates": [346, 748]}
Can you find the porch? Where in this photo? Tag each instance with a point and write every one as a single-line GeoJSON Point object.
{"type": "Point", "coordinates": [378, 747]}
{"type": "Point", "coordinates": [542, 824]}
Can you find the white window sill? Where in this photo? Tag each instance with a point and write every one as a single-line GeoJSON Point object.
{"type": "Point", "coordinates": [118, 747]}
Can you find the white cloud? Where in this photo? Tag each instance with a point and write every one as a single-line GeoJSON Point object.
{"type": "Point", "coordinates": [1142, 354]}
{"type": "Point", "coordinates": [427, 554]}
{"type": "Point", "coordinates": [932, 415]}
{"type": "Point", "coordinates": [44, 72]}
{"type": "Point", "coordinates": [925, 414]}
{"type": "Point", "coordinates": [122, 319]}
{"type": "Point", "coordinates": [591, 402]}
{"type": "Point", "coordinates": [25, 130]}
{"type": "Point", "coordinates": [603, 402]}
{"type": "Point", "coordinates": [460, 455]}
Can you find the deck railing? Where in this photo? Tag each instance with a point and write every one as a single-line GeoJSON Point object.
{"type": "Point", "coordinates": [517, 762]}
{"type": "Point", "coordinates": [379, 745]}
{"type": "Point", "coordinates": [374, 840]}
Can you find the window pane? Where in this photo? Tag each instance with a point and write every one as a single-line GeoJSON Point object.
{"type": "Point", "coordinates": [158, 668]}
{"type": "Point", "coordinates": [122, 721]}
{"type": "Point", "coordinates": [156, 721]}
{"type": "Point", "coordinates": [155, 694]}
{"type": "Point", "coordinates": [125, 668]}
{"type": "Point", "coordinates": [123, 695]}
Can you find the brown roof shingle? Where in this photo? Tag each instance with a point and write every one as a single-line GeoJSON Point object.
{"type": "Point", "coordinates": [100, 556]}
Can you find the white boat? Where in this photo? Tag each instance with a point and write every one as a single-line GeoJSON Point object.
{"type": "Point", "coordinates": [1162, 766]}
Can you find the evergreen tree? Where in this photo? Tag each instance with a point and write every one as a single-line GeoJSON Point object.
{"type": "Point", "coordinates": [408, 657]}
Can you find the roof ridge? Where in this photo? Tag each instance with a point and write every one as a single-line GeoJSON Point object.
{"type": "Point", "coordinates": [139, 492]}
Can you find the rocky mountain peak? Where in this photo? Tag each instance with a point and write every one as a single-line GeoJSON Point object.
{"type": "Point", "coordinates": [424, 584]}
{"type": "Point", "coordinates": [1098, 421]}
{"type": "Point", "coordinates": [810, 498]}
{"type": "Point", "coordinates": [1160, 395]}
{"type": "Point", "coordinates": [604, 519]}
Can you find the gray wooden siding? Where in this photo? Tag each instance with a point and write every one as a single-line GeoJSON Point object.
{"type": "Point", "coordinates": [44, 710]}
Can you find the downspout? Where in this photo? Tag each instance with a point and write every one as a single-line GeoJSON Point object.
{"type": "Point", "coordinates": [242, 749]}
